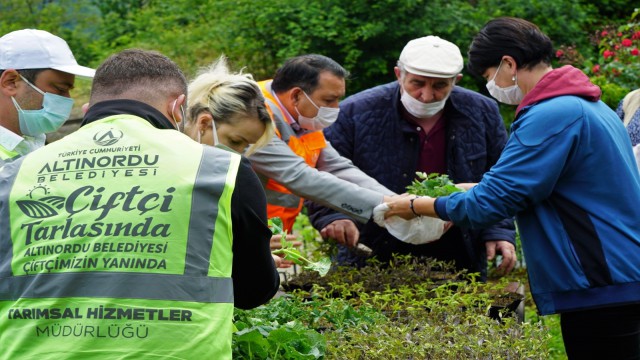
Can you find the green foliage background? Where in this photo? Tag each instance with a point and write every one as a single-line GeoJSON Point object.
{"type": "Point", "coordinates": [365, 36]}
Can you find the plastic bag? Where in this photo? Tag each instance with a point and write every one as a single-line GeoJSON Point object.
{"type": "Point", "coordinates": [419, 230]}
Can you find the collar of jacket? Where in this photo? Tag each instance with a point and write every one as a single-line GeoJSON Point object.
{"type": "Point", "coordinates": [108, 108]}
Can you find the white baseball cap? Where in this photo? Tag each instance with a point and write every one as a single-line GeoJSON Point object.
{"type": "Point", "coordinates": [38, 49]}
{"type": "Point", "coordinates": [432, 56]}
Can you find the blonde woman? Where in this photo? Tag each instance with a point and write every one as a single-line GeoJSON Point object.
{"type": "Point", "coordinates": [227, 110]}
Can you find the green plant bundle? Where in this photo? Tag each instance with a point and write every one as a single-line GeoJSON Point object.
{"type": "Point", "coordinates": [272, 331]}
{"type": "Point", "coordinates": [432, 185]}
{"type": "Point", "coordinates": [322, 266]}
{"type": "Point", "coordinates": [290, 327]}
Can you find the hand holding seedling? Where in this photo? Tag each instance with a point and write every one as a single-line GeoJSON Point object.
{"type": "Point", "coordinates": [292, 254]}
{"type": "Point", "coordinates": [342, 231]}
{"type": "Point", "coordinates": [421, 196]}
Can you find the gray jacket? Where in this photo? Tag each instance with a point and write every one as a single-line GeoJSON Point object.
{"type": "Point", "coordinates": [335, 182]}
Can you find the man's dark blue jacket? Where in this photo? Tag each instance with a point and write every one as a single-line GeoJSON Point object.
{"type": "Point", "coordinates": [372, 133]}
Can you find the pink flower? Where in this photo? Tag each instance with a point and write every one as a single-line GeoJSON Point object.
{"type": "Point", "coordinates": [559, 53]}
{"type": "Point", "coordinates": [636, 35]}
{"type": "Point", "coordinates": [595, 68]}
{"type": "Point", "coordinates": [604, 33]}
{"type": "Point", "coordinates": [619, 34]}
{"type": "Point", "coordinates": [635, 52]}
{"type": "Point", "coordinates": [607, 54]}
{"type": "Point", "coordinates": [626, 42]}
{"type": "Point", "coordinates": [617, 47]}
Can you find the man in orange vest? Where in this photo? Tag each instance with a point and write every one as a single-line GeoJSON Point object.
{"type": "Point", "coordinates": [298, 163]}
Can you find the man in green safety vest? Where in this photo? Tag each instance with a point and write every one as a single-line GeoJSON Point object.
{"type": "Point", "coordinates": [37, 72]}
{"type": "Point", "coordinates": [126, 238]}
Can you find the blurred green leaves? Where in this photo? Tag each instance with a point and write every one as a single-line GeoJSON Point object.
{"type": "Point", "coordinates": [258, 35]}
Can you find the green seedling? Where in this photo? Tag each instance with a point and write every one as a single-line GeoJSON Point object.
{"type": "Point", "coordinates": [432, 185]}
{"type": "Point", "coordinates": [292, 254]}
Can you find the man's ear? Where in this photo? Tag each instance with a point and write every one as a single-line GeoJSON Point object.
{"type": "Point", "coordinates": [175, 108]}
{"type": "Point", "coordinates": [397, 71]}
{"type": "Point", "coordinates": [8, 80]}
{"type": "Point", "coordinates": [182, 101]}
{"type": "Point", "coordinates": [294, 95]}
{"type": "Point", "coordinates": [458, 78]}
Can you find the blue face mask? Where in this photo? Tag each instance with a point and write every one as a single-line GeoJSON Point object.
{"type": "Point", "coordinates": [55, 111]}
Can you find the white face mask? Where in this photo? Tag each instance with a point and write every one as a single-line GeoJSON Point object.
{"type": "Point", "coordinates": [419, 109]}
{"type": "Point", "coordinates": [325, 117]}
{"type": "Point", "coordinates": [216, 142]}
{"type": "Point", "coordinates": [54, 112]}
{"type": "Point", "coordinates": [511, 95]}
{"type": "Point", "coordinates": [215, 134]}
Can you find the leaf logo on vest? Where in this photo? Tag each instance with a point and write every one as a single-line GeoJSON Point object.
{"type": "Point", "coordinates": [87, 211]}
{"type": "Point", "coordinates": [107, 138]}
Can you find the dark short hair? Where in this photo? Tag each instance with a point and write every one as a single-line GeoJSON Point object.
{"type": "Point", "coordinates": [303, 71]}
{"type": "Point", "coordinates": [29, 74]}
{"type": "Point", "coordinates": [515, 37]}
{"type": "Point", "coordinates": [147, 74]}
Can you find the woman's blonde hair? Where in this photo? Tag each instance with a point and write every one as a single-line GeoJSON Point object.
{"type": "Point", "coordinates": [226, 95]}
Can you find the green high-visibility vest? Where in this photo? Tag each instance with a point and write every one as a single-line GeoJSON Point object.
{"type": "Point", "coordinates": [116, 242]}
{"type": "Point", "coordinates": [7, 155]}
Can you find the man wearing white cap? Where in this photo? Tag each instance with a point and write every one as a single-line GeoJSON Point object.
{"type": "Point", "coordinates": [37, 73]}
{"type": "Point", "coordinates": [423, 122]}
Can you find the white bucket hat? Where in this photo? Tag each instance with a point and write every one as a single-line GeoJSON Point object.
{"type": "Point", "coordinates": [38, 49]}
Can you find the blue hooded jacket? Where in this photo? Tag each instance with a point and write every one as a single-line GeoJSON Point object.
{"type": "Point", "coordinates": [569, 175]}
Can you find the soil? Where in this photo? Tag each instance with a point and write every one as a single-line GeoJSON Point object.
{"type": "Point", "coordinates": [402, 272]}
{"type": "Point", "coordinates": [376, 277]}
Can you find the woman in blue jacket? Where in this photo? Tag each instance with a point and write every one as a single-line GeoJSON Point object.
{"type": "Point", "coordinates": [568, 175]}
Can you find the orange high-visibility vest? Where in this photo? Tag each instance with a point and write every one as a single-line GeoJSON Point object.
{"type": "Point", "coordinates": [280, 201]}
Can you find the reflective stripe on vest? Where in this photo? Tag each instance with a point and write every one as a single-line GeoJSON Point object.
{"type": "Point", "coordinates": [125, 236]}
{"type": "Point", "coordinates": [280, 201]}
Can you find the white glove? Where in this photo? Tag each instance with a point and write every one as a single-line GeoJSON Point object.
{"type": "Point", "coordinates": [419, 230]}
